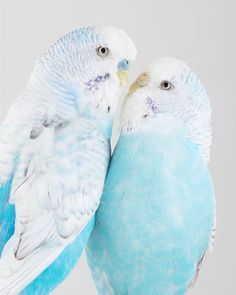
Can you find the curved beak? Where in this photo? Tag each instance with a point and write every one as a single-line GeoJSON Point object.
{"type": "Point", "coordinates": [141, 81]}
{"type": "Point", "coordinates": [123, 77]}
{"type": "Point", "coordinates": [122, 73]}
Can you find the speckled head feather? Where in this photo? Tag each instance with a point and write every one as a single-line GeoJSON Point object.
{"type": "Point", "coordinates": [74, 66]}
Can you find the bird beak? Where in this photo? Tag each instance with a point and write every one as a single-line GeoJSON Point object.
{"type": "Point", "coordinates": [122, 73]}
{"type": "Point", "coordinates": [142, 81]}
{"type": "Point", "coordinates": [123, 77]}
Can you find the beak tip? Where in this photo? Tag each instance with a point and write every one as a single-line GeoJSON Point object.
{"type": "Point", "coordinates": [141, 81]}
{"type": "Point", "coordinates": [123, 77]}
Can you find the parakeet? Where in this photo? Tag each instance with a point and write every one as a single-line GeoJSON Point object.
{"type": "Point", "coordinates": [54, 154]}
{"type": "Point", "coordinates": [156, 219]}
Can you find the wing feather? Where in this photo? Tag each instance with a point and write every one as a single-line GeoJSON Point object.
{"type": "Point", "coordinates": [55, 190]}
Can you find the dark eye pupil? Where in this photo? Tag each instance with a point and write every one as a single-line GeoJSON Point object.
{"type": "Point", "coordinates": [166, 84]}
{"type": "Point", "coordinates": [102, 51]}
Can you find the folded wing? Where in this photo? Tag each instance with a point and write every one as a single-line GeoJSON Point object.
{"type": "Point", "coordinates": [56, 189]}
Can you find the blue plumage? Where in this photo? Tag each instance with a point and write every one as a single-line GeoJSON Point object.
{"type": "Point", "coordinates": [155, 218]}
{"type": "Point", "coordinates": [7, 215]}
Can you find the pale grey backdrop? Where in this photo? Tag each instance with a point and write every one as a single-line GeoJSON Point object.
{"type": "Point", "coordinates": [201, 32]}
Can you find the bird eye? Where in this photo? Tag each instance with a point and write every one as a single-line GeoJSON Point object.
{"type": "Point", "coordinates": [166, 85]}
{"type": "Point", "coordinates": [103, 51]}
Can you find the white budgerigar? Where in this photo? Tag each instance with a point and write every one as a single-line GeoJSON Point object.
{"type": "Point", "coordinates": [54, 153]}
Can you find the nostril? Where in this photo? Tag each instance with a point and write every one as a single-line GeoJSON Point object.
{"type": "Point", "coordinates": [108, 109]}
{"type": "Point", "coordinates": [124, 65]}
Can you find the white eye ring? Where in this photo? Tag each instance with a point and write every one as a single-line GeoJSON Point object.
{"type": "Point", "coordinates": [102, 51]}
{"type": "Point", "coordinates": [166, 85]}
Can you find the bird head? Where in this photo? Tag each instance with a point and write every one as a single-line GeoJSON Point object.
{"type": "Point", "coordinates": [168, 97]}
{"type": "Point", "coordinates": [84, 73]}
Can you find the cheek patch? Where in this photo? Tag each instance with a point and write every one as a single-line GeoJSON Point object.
{"type": "Point", "coordinates": [94, 84]}
{"type": "Point", "coordinates": [152, 105]}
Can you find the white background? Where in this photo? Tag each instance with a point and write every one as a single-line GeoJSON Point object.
{"type": "Point", "coordinates": [201, 32]}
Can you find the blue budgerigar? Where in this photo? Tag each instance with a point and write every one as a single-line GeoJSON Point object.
{"type": "Point", "coordinates": [54, 154]}
{"type": "Point", "coordinates": [156, 220]}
